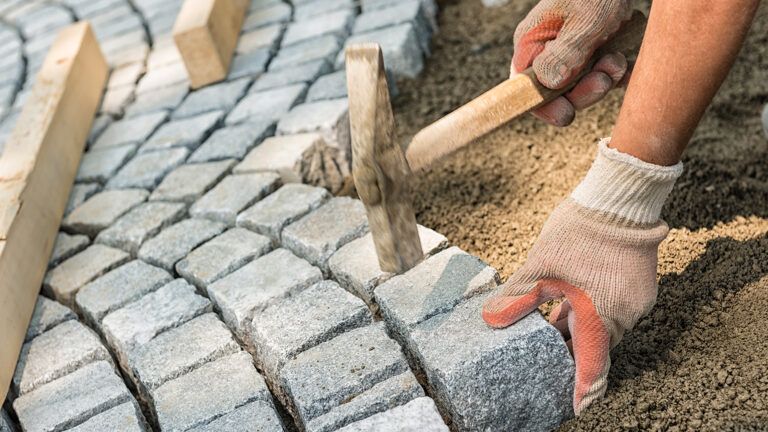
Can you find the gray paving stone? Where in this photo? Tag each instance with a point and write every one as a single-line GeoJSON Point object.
{"type": "Point", "coordinates": [266, 37]}
{"type": "Point", "coordinates": [160, 99]}
{"type": "Point", "coordinates": [309, 10]}
{"type": "Point", "coordinates": [117, 288]}
{"type": "Point", "coordinates": [222, 255]}
{"type": "Point", "coordinates": [330, 118]}
{"type": "Point", "coordinates": [222, 96]}
{"type": "Point", "coordinates": [291, 202]}
{"type": "Point", "coordinates": [259, 284]}
{"type": "Point", "coordinates": [256, 416]}
{"type": "Point", "coordinates": [233, 142]}
{"type": "Point", "coordinates": [321, 48]}
{"type": "Point", "coordinates": [57, 352]}
{"type": "Point", "coordinates": [128, 131]}
{"type": "Point", "coordinates": [230, 382]}
{"type": "Point", "coordinates": [67, 245]}
{"type": "Point", "coordinates": [189, 132]}
{"type": "Point", "coordinates": [132, 229]}
{"type": "Point", "coordinates": [100, 165]}
{"type": "Point", "coordinates": [46, 315]}
{"type": "Point", "coordinates": [318, 235]}
{"type": "Point", "coordinates": [288, 155]}
{"type": "Point", "coordinates": [303, 73]}
{"type": "Point", "coordinates": [332, 373]}
{"type": "Point", "coordinates": [251, 64]}
{"type": "Point", "coordinates": [428, 6]}
{"type": "Point", "coordinates": [63, 282]}
{"type": "Point", "coordinates": [164, 52]}
{"type": "Point", "coordinates": [189, 182]}
{"type": "Point", "coordinates": [331, 86]}
{"type": "Point", "coordinates": [232, 195]}
{"type": "Point", "coordinates": [116, 99]}
{"type": "Point", "coordinates": [126, 417]}
{"type": "Point", "coordinates": [518, 378]}
{"type": "Point", "coordinates": [403, 12]}
{"type": "Point", "coordinates": [80, 193]}
{"type": "Point", "coordinates": [400, 46]}
{"type": "Point", "coordinates": [158, 77]}
{"type": "Point", "coordinates": [337, 23]}
{"type": "Point", "coordinates": [119, 43]}
{"type": "Point", "coordinates": [417, 415]}
{"type": "Point", "coordinates": [177, 240]}
{"type": "Point", "coordinates": [146, 170]}
{"type": "Point", "coordinates": [268, 14]}
{"type": "Point", "coordinates": [126, 74]}
{"type": "Point", "coordinates": [267, 105]}
{"type": "Point", "coordinates": [180, 350]}
{"type": "Point", "coordinates": [356, 265]}
{"type": "Point", "coordinates": [102, 209]}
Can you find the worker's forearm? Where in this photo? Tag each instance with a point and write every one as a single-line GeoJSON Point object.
{"type": "Point", "coordinates": [688, 49]}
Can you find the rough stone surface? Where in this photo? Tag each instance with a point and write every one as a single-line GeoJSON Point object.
{"type": "Point", "coordinates": [57, 352]}
{"type": "Point", "coordinates": [287, 154]}
{"type": "Point", "coordinates": [221, 96]}
{"type": "Point", "coordinates": [80, 193]}
{"type": "Point", "coordinates": [329, 117]}
{"type": "Point", "coordinates": [189, 182]}
{"type": "Point", "coordinates": [232, 195]}
{"type": "Point", "coordinates": [67, 278]}
{"type": "Point", "coordinates": [258, 416]}
{"type": "Point", "coordinates": [269, 14]}
{"type": "Point", "coordinates": [229, 382]}
{"type": "Point", "coordinates": [356, 265]}
{"type": "Point", "coordinates": [267, 105]}
{"type": "Point", "coordinates": [303, 73]}
{"type": "Point", "coordinates": [402, 12]}
{"type": "Point", "coordinates": [263, 37]}
{"type": "Point", "coordinates": [176, 241]}
{"type": "Point", "coordinates": [188, 132]}
{"type": "Point", "coordinates": [67, 245]}
{"type": "Point", "coordinates": [321, 48]}
{"type": "Point", "coordinates": [130, 131]}
{"type": "Point", "coordinates": [116, 99]}
{"type": "Point", "coordinates": [251, 64]}
{"type": "Point", "coordinates": [222, 255]}
{"type": "Point", "coordinates": [233, 142]}
{"type": "Point", "coordinates": [132, 229]}
{"type": "Point", "coordinates": [400, 46]}
{"type": "Point", "coordinates": [331, 86]}
{"type": "Point", "coordinates": [417, 415]}
{"type": "Point", "coordinates": [159, 77]}
{"type": "Point", "coordinates": [72, 399]}
{"type": "Point", "coordinates": [46, 315]}
{"type": "Point", "coordinates": [289, 203]}
{"type": "Point", "coordinates": [126, 417]}
{"type": "Point", "coordinates": [102, 209]}
{"type": "Point", "coordinates": [518, 378]}
{"type": "Point", "coordinates": [160, 99]}
{"type": "Point", "coordinates": [318, 235]}
{"type": "Point", "coordinates": [258, 284]}
{"type": "Point", "coordinates": [336, 23]}
{"type": "Point", "coordinates": [100, 165]}
{"type": "Point", "coordinates": [126, 74]}
{"type": "Point", "coordinates": [306, 10]}
{"type": "Point", "coordinates": [119, 287]}
{"type": "Point", "coordinates": [146, 170]}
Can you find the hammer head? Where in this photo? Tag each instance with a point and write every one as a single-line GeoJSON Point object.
{"type": "Point", "coordinates": [379, 168]}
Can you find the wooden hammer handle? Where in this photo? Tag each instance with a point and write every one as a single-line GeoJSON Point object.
{"type": "Point", "coordinates": [513, 97]}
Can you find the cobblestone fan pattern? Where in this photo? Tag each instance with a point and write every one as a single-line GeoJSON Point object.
{"type": "Point", "coordinates": [205, 278]}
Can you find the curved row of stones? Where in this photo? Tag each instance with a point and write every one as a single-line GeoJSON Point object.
{"type": "Point", "coordinates": [199, 281]}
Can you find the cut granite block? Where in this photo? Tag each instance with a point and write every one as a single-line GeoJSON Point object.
{"type": "Point", "coordinates": [356, 265]}
{"type": "Point", "coordinates": [288, 155]}
{"type": "Point", "coordinates": [335, 23]}
{"type": "Point", "coordinates": [232, 195]}
{"type": "Point", "coordinates": [318, 235]}
{"type": "Point", "coordinates": [119, 287]}
{"type": "Point", "coordinates": [222, 255]}
{"type": "Point", "coordinates": [233, 142]}
{"type": "Point", "coordinates": [137, 323]}
{"type": "Point", "coordinates": [126, 417]}
{"type": "Point", "coordinates": [176, 241]}
{"type": "Point", "coordinates": [269, 14]}
{"type": "Point", "coordinates": [102, 209]}
{"type": "Point", "coordinates": [160, 99]}
{"type": "Point", "coordinates": [302, 321]}
{"type": "Point", "coordinates": [63, 282]}
{"type": "Point", "coordinates": [330, 118]}
{"type": "Point", "coordinates": [72, 399]}
{"type": "Point", "coordinates": [258, 284]}
{"type": "Point", "coordinates": [517, 378]}
{"type": "Point", "coordinates": [428, 6]}
{"type": "Point", "coordinates": [126, 74]}
{"type": "Point", "coordinates": [229, 383]}
{"type": "Point", "coordinates": [417, 415]}
{"type": "Point", "coordinates": [172, 73]}
{"type": "Point", "coordinates": [303, 73]}
{"type": "Point", "coordinates": [116, 99]}
{"type": "Point", "coordinates": [180, 350]}
{"type": "Point", "coordinates": [266, 37]}
{"type": "Point", "coordinates": [80, 193]}
{"type": "Point", "coordinates": [146, 170]}
{"type": "Point", "coordinates": [134, 130]}
{"type": "Point", "coordinates": [400, 46]}
{"type": "Point", "coordinates": [258, 416]}
{"type": "Point", "coordinates": [251, 64]}
{"type": "Point", "coordinates": [291, 202]}
{"type": "Point", "coordinates": [132, 229]}
{"type": "Point", "coordinates": [336, 371]}
{"type": "Point", "coordinates": [331, 86]}
{"type": "Point", "coordinates": [399, 13]}
{"type": "Point", "coordinates": [65, 246]}
{"type": "Point", "coordinates": [321, 48]}
{"type": "Point", "coordinates": [267, 105]}
{"type": "Point", "coordinates": [189, 182]}
{"type": "Point", "coordinates": [189, 132]}
{"type": "Point", "coordinates": [46, 315]}
{"type": "Point", "coordinates": [218, 97]}
{"type": "Point", "coordinates": [100, 165]}
{"type": "Point", "coordinates": [317, 10]}
{"type": "Point", "coordinates": [57, 352]}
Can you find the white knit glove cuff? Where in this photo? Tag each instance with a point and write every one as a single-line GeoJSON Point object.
{"type": "Point", "coordinates": [623, 185]}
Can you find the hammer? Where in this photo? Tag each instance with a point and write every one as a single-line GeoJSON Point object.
{"type": "Point", "coordinates": [382, 170]}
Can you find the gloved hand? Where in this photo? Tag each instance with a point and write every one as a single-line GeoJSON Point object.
{"type": "Point", "coordinates": [598, 250]}
{"type": "Point", "coordinates": [557, 38]}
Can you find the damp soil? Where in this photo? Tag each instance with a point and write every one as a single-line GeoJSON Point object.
{"type": "Point", "coordinates": [699, 361]}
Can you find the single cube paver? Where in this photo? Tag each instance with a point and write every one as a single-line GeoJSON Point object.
{"type": "Point", "coordinates": [134, 130]}
{"type": "Point", "coordinates": [189, 182]}
{"type": "Point", "coordinates": [158, 77]}
{"type": "Point", "coordinates": [318, 235]}
{"type": "Point", "coordinates": [303, 73]}
{"type": "Point", "coordinates": [72, 399]}
{"type": "Point", "coordinates": [126, 74]}
{"type": "Point", "coordinates": [330, 118]}
{"type": "Point", "coordinates": [116, 99]}
{"type": "Point", "coordinates": [126, 417]}
{"type": "Point", "coordinates": [180, 350]}
{"type": "Point", "coordinates": [222, 255]}
{"type": "Point", "coordinates": [177, 240]}
{"type": "Point", "coordinates": [259, 284]}
{"type": "Point", "coordinates": [189, 132]}
{"type": "Point", "coordinates": [132, 229]}
{"type": "Point", "coordinates": [102, 209]}
{"type": "Point", "coordinates": [320, 48]}
{"type": "Point", "coordinates": [217, 97]}
{"type": "Point", "coordinates": [308, 10]}
{"type": "Point", "coordinates": [67, 245]}
{"type": "Point", "coordinates": [160, 99]}
{"type": "Point", "coordinates": [331, 86]}
{"type": "Point", "coordinates": [251, 64]}
{"type": "Point", "coordinates": [164, 51]}
{"type": "Point", "coordinates": [266, 37]}
{"type": "Point", "coordinates": [287, 155]}
{"type": "Point", "coordinates": [232, 195]}
{"type": "Point", "coordinates": [267, 105]}
{"type": "Point", "coordinates": [400, 47]}
{"type": "Point", "coordinates": [410, 11]}
{"type": "Point", "coordinates": [80, 193]}
{"type": "Point", "coordinates": [146, 170]}
{"type": "Point", "coordinates": [335, 23]}
{"type": "Point", "coordinates": [100, 165]}
{"type": "Point", "coordinates": [46, 315]}
{"type": "Point", "coordinates": [57, 352]}
{"type": "Point", "coordinates": [428, 6]}
{"type": "Point", "coordinates": [233, 142]}
{"type": "Point", "coordinates": [266, 15]}
{"type": "Point", "coordinates": [258, 416]}
{"type": "Point", "coordinates": [417, 415]}
{"type": "Point", "coordinates": [229, 382]}
{"type": "Point", "coordinates": [63, 282]}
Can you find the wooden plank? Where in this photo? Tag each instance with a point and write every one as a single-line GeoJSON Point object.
{"type": "Point", "coordinates": [206, 33]}
{"type": "Point", "coordinates": [37, 170]}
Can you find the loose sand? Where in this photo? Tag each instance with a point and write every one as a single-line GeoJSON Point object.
{"type": "Point", "coordinates": [699, 361]}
